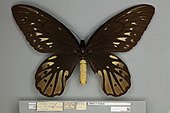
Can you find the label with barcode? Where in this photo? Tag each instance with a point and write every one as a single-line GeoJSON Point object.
{"type": "Point", "coordinates": [120, 109]}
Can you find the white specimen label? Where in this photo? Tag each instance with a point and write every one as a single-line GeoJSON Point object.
{"type": "Point", "coordinates": [81, 106]}
{"type": "Point", "coordinates": [120, 109]}
{"type": "Point", "coordinates": [32, 105]}
{"type": "Point", "coordinates": [109, 103]}
{"type": "Point", "coordinates": [50, 106]}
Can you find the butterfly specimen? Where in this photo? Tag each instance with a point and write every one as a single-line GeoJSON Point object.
{"type": "Point", "coordinates": [47, 35]}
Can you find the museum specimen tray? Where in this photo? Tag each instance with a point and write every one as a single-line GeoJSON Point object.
{"type": "Point", "coordinates": [54, 106]}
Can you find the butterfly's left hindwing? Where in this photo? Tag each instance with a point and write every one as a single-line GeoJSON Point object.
{"type": "Point", "coordinates": [53, 73]}
{"type": "Point", "coordinates": [114, 73]}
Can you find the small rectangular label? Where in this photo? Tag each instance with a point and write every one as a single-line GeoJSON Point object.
{"type": "Point", "coordinates": [50, 106]}
{"type": "Point", "coordinates": [81, 106]}
{"type": "Point", "coordinates": [109, 103]}
{"type": "Point", "coordinates": [69, 105]}
{"type": "Point", "coordinates": [120, 109]}
{"type": "Point", "coordinates": [32, 105]}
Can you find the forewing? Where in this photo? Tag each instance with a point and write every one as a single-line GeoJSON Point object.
{"type": "Point", "coordinates": [42, 31]}
{"type": "Point", "coordinates": [114, 73]}
{"type": "Point", "coordinates": [53, 73]}
{"type": "Point", "coordinates": [122, 32]}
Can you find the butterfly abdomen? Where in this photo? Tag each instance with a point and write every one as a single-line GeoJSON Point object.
{"type": "Point", "coordinates": [83, 72]}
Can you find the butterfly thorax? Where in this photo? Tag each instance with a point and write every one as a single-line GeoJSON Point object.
{"type": "Point", "coordinates": [82, 49]}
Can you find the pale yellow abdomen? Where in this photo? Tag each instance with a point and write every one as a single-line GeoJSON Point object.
{"type": "Point", "coordinates": [83, 72]}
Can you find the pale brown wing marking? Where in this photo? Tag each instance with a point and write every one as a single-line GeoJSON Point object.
{"type": "Point", "coordinates": [53, 73]}
{"type": "Point", "coordinates": [43, 82]}
{"type": "Point", "coordinates": [123, 83]}
{"type": "Point", "coordinates": [48, 90]}
{"type": "Point", "coordinates": [115, 76]}
{"type": "Point", "coordinates": [106, 86]}
{"type": "Point", "coordinates": [59, 83]}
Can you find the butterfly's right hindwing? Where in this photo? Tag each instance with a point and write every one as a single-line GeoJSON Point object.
{"type": "Point", "coordinates": [53, 73]}
{"type": "Point", "coordinates": [43, 32]}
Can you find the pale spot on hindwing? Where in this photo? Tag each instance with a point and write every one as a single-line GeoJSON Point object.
{"type": "Point", "coordinates": [122, 72]}
{"type": "Point", "coordinates": [119, 64]}
{"type": "Point", "coordinates": [66, 73]}
{"type": "Point", "coordinates": [100, 73]}
{"type": "Point", "coordinates": [47, 64]}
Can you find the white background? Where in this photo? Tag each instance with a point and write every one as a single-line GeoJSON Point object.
{"type": "Point", "coordinates": [148, 62]}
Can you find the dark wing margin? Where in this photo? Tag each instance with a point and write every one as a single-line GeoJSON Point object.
{"type": "Point", "coordinates": [114, 73]}
{"type": "Point", "coordinates": [122, 32]}
{"type": "Point", "coordinates": [43, 32]}
{"type": "Point", "coordinates": [53, 73]}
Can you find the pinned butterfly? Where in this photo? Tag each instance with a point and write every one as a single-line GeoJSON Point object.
{"type": "Point", "coordinates": [47, 35]}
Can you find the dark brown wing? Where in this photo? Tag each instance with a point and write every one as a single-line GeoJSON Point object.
{"type": "Point", "coordinates": [114, 73]}
{"type": "Point", "coordinates": [48, 35]}
{"type": "Point", "coordinates": [119, 34]}
{"type": "Point", "coordinates": [122, 32]}
{"type": "Point", "coordinates": [53, 73]}
{"type": "Point", "coordinates": [43, 32]}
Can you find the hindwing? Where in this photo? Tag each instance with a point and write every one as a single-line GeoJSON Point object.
{"type": "Point", "coordinates": [53, 73]}
{"type": "Point", "coordinates": [114, 73]}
